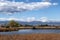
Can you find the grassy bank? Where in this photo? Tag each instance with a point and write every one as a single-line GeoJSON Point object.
{"type": "Point", "coordinates": [18, 28]}
{"type": "Point", "coordinates": [31, 37]}
{"type": "Point", "coordinates": [8, 29]}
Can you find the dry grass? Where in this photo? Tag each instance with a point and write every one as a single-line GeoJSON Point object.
{"type": "Point", "coordinates": [8, 29]}
{"type": "Point", "coordinates": [31, 37]}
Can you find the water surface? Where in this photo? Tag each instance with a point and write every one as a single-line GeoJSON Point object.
{"type": "Point", "coordinates": [31, 31]}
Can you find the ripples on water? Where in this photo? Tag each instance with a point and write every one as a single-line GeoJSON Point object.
{"type": "Point", "coordinates": [31, 31]}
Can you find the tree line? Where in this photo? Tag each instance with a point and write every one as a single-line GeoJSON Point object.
{"type": "Point", "coordinates": [13, 23]}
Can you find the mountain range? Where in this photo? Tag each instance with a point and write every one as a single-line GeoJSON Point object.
{"type": "Point", "coordinates": [34, 22]}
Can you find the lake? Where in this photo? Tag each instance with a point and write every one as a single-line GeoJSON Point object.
{"type": "Point", "coordinates": [31, 31]}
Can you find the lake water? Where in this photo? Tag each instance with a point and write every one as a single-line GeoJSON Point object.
{"type": "Point", "coordinates": [31, 31]}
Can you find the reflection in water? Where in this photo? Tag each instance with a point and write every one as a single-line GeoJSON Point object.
{"type": "Point", "coordinates": [31, 31]}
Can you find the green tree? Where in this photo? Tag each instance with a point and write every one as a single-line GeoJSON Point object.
{"type": "Point", "coordinates": [13, 23]}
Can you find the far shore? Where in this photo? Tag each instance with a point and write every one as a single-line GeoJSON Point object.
{"type": "Point", "coordinates": [31, 37]}
{"type": "Point", "coordinates": [2, 29]}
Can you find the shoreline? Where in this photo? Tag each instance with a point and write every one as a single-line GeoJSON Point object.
{"type": "Point", "coordinates": [19, 28]}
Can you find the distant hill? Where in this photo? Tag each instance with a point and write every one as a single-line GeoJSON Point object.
{"type": "Point", "coordinates": [33, 23]}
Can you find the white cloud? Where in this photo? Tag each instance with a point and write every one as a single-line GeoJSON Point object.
{"type": "Point", "coordinates": [55, 3]}
{"type": "Point", "coordinates": [7, 19]}
{"type": "Point", "coordinates": [18, 19]}
{"type": "Point", "coordinates": [44, 19]}
{"type": "Point", "coordinates": [13, 19]}
{"type": "Point", "coordinates": [30, 19]}
{"type": "Point", "coordinates": [3, 0]}
{"type": "Point", "coordinates": [46, 0]}
{"type": "Point", "coordinates": [2, 19]}
{"type": "Point", "coordinates": [14, 7]}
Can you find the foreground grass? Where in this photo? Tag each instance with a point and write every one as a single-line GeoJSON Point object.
{"type": "Point", "coordinates": [31, 37]}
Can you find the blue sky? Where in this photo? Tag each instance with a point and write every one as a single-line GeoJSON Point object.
{"type": "Point", "coordinates": [37, 10]}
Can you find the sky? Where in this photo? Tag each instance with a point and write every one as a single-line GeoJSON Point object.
{"type": "Point", "coordinates": [30, 10]}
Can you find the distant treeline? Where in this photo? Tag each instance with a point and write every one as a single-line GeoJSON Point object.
{"type": "Point", "coordinates": [13, 23]}
{"type": "Point", "coordinates": [15, 26]}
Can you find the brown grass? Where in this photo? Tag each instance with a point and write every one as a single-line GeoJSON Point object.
{"type": "Point", "coordinates": [8, 29]}
{"type": "Point", "coordinates": [31, 37]}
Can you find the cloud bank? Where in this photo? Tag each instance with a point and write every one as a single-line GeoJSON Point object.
{"type": "Point", "coordinates": [30, 19]}
{"type": "Point", "coordinates": [17, 7]}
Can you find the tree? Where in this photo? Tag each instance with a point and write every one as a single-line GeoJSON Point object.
{"type": "Point", "coordinates": [33, 28]}
{"type": "Point", "coordinates": [13, 23]}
